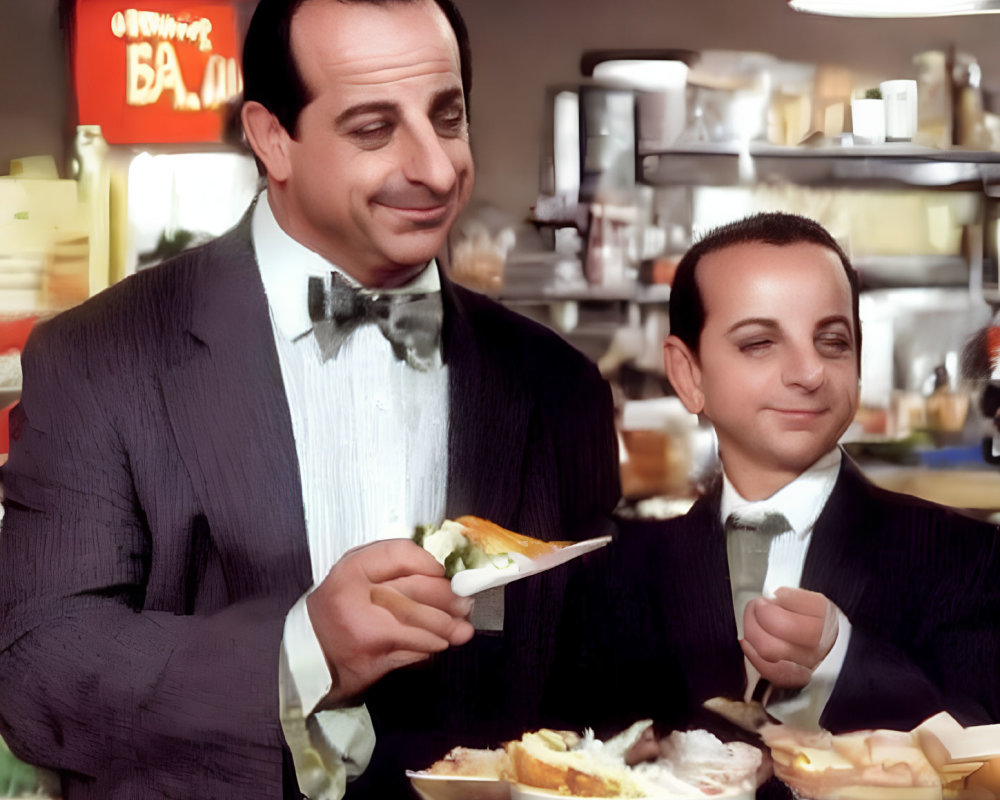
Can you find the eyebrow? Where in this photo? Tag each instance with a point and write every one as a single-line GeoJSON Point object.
{"type": "Point", "coordinates": [772, 324]}
{"type": "Point", "coordinates": [374, 107]}
{"type": "Point", "coordinates": [836, 319]}
{"type": "Point", "coordinates": [440, 101]}
{"type": "Point", "coordinates": [445, 98]}
{"type": "Point", "coordinates": [764, 322]}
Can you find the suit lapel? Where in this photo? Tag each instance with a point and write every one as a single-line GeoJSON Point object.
{"type": "Point", "coordinates": [226, 402]}
{"type": "Point", "coordinates": [708, 602]}
{"type": "Point", "coordinates": [835, 564]}
{"type": "Point", "coordinates": [488, 418]}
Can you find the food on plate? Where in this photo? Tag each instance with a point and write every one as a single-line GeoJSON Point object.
{"type": "Point", "coordinates": [968, 759]}
{"type": "Point", "coordinates": [939, 758]}
{"type": "Point", "coordinates": [634, 763]}
{"type": "Point", "coordinates": [469, 762]}
{"type": "Point", "coordinates": [864, 765]}
{"type": "Point", "coordinates": [985, 779]}
{"type": "Point", "coordinates": [747, 715]}
{"type": "Point", "coordinates": [470, 543]}
{"type": "Point", "coordinates": [564, 763]}
{"type": "Point", "coordinates": [700, 759]}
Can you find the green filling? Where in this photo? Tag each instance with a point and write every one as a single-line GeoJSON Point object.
{"type": "Point", "coordinates": [453, 550]}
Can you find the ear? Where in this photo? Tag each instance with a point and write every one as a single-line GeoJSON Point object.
{"type": "Point", "coordinates": [684, 374]}
{"type": "Point", "coordinates": [268, 139]}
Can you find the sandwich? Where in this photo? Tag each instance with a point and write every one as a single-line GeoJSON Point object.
{"type": "Point", "coordinates": [564, 763]}
{"type": "Point", "coordinates": [863, 765]}
{"type": "Point", "coordinates": [472, 543]}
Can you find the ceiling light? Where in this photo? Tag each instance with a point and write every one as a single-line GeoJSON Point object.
{"type": "Point", "coordinates": [896, 8]}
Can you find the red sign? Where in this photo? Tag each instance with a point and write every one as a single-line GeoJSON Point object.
{"type": "Point", "coordinates": [156, 72]}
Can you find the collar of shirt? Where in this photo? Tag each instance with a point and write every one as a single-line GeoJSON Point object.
{"type": "Point", "coordinates": [801, 501]}
{"type": "Point", "coordinates": [286, 266]}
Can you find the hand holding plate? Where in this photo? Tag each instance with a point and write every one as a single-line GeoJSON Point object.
{"type": "Point", "coordinates": [382, 606]}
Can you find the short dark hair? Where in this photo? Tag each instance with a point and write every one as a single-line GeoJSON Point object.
{"type": "Point", "coordinates": [272, 78]}
{"type": "Point", "coordinates": [687, 309]}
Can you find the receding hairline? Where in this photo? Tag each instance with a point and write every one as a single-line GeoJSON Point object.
{"type": "Point", "coordinates": [443, 23]}
{"type": "Point", "coordinates": [753, 243]}
{"type": "Point", "coordinates": [835, 262]}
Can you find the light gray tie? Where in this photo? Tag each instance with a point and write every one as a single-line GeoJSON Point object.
{"type": "Point", "coordinates": [748, 543]}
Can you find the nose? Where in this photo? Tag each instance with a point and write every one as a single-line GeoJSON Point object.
{"type": "Point", "coordinates": [428, 162]}
{"type": "Point", "coordinates": [804, 367]}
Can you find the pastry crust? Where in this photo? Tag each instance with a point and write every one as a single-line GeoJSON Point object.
{"type": "Point", "coordinates": [495, 540]}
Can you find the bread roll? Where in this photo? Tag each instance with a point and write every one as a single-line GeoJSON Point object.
{"type": "Point", "coordinates": [543, 760]}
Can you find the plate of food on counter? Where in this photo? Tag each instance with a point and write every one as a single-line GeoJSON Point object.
{"type": "Point", "coordinates": [939, 759]}
{"type": "Point", "coordinates": [543, 764]}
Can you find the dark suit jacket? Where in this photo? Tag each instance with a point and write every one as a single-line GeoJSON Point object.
{"type": "Point", "coordinates": [154, 536]}
{"type": "Point", "coordinates": [649, 629]}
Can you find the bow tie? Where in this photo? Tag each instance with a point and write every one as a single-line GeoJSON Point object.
{"type": "Point", "coordinates": [411, 322]}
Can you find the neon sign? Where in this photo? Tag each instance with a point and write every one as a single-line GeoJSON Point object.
{"type": "Point", "coordinates": [162, 74]}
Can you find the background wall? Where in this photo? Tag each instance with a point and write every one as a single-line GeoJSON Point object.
{"type": "Point", "coordinates": [520, 47]}
{"type": "Point", "coordinates": [34, 94]}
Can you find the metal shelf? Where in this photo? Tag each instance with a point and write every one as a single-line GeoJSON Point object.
{"type": "Point", "coordinates": [543, 296]}
{"type": "Point", "coordinates": [890, 164]}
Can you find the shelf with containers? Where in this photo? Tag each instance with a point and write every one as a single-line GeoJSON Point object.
{"type": "Point", "coordinates": [891, 167]}
{"type": "Point", "coordinates": [921, 228]}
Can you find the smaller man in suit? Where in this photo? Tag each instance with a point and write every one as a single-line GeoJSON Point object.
{"type": "Point", "coordinates": [868, 609]}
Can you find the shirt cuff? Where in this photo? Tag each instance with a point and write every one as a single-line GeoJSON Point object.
{"type": "Point", "coordinates": [328, 747]}
{"type": "Point", "coordinates": [806, 707]}
{"type": "Point", "coordinates": [307, 667]}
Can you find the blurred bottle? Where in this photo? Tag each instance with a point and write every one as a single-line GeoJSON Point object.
{"type": "Point", "coordinates": [89, 166]}
{"type": "Point", "coordinates": [969, 119]}
{"type": "Point", "coordinates": [946, 409]}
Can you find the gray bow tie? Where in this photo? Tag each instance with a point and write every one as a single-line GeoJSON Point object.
{"type": "Point", "coordinates": [411, 322]}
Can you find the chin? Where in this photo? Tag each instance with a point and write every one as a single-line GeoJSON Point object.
{"type": "Point", "coordinates": [800, 461]}
{"type": "Point", "coordinates": [416, 255]}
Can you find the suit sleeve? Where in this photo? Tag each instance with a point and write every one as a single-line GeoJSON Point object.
{"type": "Point", "coordinates": [947, 601]}
{"type": "Point", "coordinates": [578, 416]}
{"type": "Point", "coordinates": [93, 683]}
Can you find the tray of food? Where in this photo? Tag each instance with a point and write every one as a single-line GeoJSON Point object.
{"type": "Point", "coordinates": [543, 764]}
{"type": "Point", "coordinates": [939, 758]}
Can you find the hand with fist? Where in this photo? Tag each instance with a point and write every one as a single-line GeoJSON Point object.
{"type": "Point", "coordinates": [787, 637]}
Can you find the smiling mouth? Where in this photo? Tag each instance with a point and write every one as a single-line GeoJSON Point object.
{"type": "Point", "coordinates": [800, 413]}
{"type": "Point", "coordinates": [423, 217]}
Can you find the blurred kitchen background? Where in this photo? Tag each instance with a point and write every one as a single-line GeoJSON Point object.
{"type": "Point", "coordinates": [608, 136]}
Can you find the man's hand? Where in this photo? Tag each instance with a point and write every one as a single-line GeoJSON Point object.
{"type": "Point", "coordinates": [382, 606]}
{"type": "Point", "coordinates": [787, 637]}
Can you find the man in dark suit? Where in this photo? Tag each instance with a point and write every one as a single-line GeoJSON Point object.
{"type": "Point", "coordinates": [201, 592]}
{"type": "Point", "coordinates": [873, 609]}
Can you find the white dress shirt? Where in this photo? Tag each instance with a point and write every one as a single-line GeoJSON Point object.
{"type": "Point", "coordinates": [371, 436]}
{"type": "Point", "coordinates": [801, 502]}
